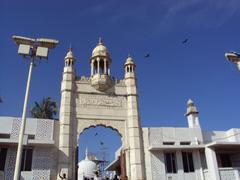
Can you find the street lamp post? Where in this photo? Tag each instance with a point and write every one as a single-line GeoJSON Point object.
{"type": "Point", "coordinates": [234, 58]}
{"type": "Point", "coordinates": [33, 48]}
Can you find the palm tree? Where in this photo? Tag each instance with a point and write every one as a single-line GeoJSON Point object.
{"type": "Point", "coordinates": [46, 109]}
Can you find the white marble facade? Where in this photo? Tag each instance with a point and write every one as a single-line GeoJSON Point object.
{"type": "Point", "coordinates": [215, 154]}
{"type": "Point", "coordinates": [41, 135]}
{"type": "Point", "coordinates": [157, 141]}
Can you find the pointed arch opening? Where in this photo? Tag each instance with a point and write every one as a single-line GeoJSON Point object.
{"type": "Point", "coordinates": [104, 144]}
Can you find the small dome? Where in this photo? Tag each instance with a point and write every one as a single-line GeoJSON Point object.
{"type": "Point", "coordinates": [100, 50]}
{"type": "Point", "coordinates": [69, 54]}
{"type": "Point", "coordinates": [129, 60]}
{"type": "Point", "coordinates": [86, 168]}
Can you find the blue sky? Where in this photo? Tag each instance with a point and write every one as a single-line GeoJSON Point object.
{"type": "Point", "coordinates": [173, 73]}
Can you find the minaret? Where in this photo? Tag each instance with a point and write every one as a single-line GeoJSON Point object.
{"type": "Point", "coordinates": [135, 141]}
{"type": "Point", "coordinates": [129, 68]}
{"type": "Point", "coordinates": [192, 115]}
{"type": "Point", "coordinates": [66, 160]}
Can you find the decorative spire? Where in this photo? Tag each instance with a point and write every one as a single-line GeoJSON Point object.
{"type": "Point", "coordinates": [86, 154]}
{"type": "Point", "coordinates": [191, 108]}
{"type": "Point", "coordinates": [70, 47]}
{"type": "Point", "coordinates": [100, 40]}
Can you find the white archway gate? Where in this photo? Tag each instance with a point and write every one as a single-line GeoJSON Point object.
{"type": "Point", "coordinates": [100, 100]}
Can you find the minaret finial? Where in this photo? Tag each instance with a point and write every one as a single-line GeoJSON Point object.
{"type": "Point", "coordinates": [192, 115]}
{"type": "Point", "coordinates": [190, 102]}
{"type": "Point", "coordinates": [70, 47]}
{"type": "Point", "coordinates": [191, 108]}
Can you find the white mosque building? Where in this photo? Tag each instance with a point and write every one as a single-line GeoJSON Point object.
{"type": "Point", "coordinates": [147, 153]}
{"type": "Point", "coordinates": [87, 168]}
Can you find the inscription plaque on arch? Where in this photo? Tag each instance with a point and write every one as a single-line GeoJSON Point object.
{"type": "Point", "coordinates": [96, 101]}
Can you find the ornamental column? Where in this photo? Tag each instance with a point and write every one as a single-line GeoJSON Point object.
{"type": "Point", "coordinates": [98, 66]}
{"type": "Point", "coordinates": [105, 66]}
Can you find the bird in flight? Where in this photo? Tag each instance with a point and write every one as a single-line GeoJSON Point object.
{"type": "Point", "coordinates": [96, 134]}
{"type": "Point", "coordinates": [101, 143]}
{"type": "Point", "coordinates": [1, 100]}
{"type": "Point", "coordinates": [147, 55]}
{"type": "Point", "coordinates": [185, 41]}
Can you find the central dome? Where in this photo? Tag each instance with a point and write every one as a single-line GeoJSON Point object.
{"type": "Point", "coordinates": [100, 50]}
{"type": "Point", "coordinates": [100, 67]}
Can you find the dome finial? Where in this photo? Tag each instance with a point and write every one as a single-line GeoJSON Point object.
{"type": "Point", "coordinates": [100, 40]}
{"type": "Point", "coordinates": [129, 55]}
{"type": "Point", "coordinates": [86, 153]}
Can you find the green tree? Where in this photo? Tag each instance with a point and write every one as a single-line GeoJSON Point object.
{"type": "Point", "coordinates": [46, 109]}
